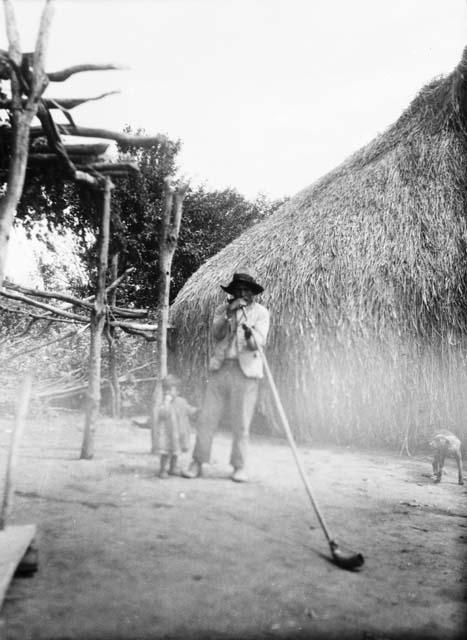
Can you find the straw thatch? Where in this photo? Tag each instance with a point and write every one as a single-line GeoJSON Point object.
{"type": "Point", "coordinates": [365, 274]}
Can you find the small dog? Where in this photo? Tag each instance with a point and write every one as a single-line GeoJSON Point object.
{"type": "Point", "coordinates": [446, 443]}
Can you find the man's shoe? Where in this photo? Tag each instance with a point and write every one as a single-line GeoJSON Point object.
{"type": "Point", "coordinates": [163, 475]}
{"type": "Point", "coordinates": [195, 470]}
{"type": "Point", "coordinates": [174, 469]}
{"type": "Point", "coordinates": [239, 475]}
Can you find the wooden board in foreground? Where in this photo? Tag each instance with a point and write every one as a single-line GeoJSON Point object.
{"type": "Point", "coordinates": [14, 542]}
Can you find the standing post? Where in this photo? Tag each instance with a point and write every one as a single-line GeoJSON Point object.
{"type": "Point", "coordinates": [21, 115]}
{"type": "Point", "coordinates": [170, 229]}
{"type": "Point", "coordinates": [21, 412]}
{"type": "Point", "coordinates": [98, 314]}
{"type": "Point", "coordinates": [111, 339]}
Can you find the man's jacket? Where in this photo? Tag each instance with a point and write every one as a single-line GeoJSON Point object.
{"type": "Point", "coordinates": [234, 342]}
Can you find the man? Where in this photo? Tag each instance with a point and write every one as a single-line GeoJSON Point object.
{"type": "Point", "coordinates": [240, 325]}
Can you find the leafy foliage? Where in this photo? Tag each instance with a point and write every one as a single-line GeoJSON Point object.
{"type": "Point", "coordinates": [51, 204]}
{"type": "Point", "coordinates": [211, 220]}
{"type": "Point", "coordinates": [137, 205]}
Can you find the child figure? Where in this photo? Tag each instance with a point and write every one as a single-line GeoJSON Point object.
{"type": "Point", "coordinates": [173, 427]}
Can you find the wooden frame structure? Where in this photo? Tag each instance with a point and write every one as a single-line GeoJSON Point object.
{"type": "Point", "coordinates": [44, 146]}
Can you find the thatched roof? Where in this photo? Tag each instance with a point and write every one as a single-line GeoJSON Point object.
{"type": "Point", "coordinates": [367, 262]}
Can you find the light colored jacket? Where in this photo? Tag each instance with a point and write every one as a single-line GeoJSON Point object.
{"type": "Point", "coordinates": [223, 332]}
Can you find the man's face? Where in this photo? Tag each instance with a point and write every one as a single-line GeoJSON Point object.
{"type": "Point", "coordinates": [243, 291]}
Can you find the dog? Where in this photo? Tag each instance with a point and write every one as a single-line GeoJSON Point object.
{"type": "Point", "coordinates": [445, 443]}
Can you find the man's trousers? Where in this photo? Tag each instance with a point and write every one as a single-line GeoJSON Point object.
{"type": "Point", "coordinates": [228, 388]}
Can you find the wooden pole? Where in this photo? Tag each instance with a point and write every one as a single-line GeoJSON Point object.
{"type": "Point", "coordinates": [97, 327]}
{"type": "Point", "coordinates": [164, 284]}
{"type": "Point", "coordinates": [165, 253]}
{"type": "Point", "coordinates": [21, 412]}
{"type": "Point", "coordinates": [170, 228]}
{"type": "Point", "coordinates": [21, 117]}
{"type": "Point", "coordinates": [111, 339]}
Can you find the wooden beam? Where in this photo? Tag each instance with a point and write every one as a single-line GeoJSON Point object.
{"type": "Point", "coordinates": [64, 74]}
{"type": "Point", "coordinates": [87, 164]}
{"type": "Point", "coordinates": [71, 103]}
{"type": "Point", "coordinates": [34, 303]}
{"type": "Point", "coordinates": [149, 337]}
{"type": "Point", "coordinates": [14, 542]}
{"type": "Point", "coordinates": [133, 326]}
{"type": "Point", "coordinates": [106, 134]}
{"type": "Point", "coordinates": [48, 294]}
{"type": "Point", "coordinates": [116, 168]}
{"type": "Point", "coordinates": [72, 301]}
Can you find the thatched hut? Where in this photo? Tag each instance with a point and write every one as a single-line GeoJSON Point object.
{"type": "Point", "coordinates": [365, 274]}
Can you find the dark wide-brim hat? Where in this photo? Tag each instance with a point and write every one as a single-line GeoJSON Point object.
{"type": "Point", "coordinates": [245, 279]}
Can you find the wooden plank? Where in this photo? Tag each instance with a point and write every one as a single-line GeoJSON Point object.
{"type": "Point", "coordinates": [21, 413]}
{"type": "Point", "coordinates": [14, 542]}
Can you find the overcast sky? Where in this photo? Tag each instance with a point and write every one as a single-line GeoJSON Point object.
{"type": "Point", "coordinates": [266, 95]}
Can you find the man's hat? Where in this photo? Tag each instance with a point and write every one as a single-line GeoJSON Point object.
{"type": "Point", "coordinates": [243, 278]}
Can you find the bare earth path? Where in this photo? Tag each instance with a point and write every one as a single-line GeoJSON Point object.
{"type": "Point", "coordinates": [124, 555]}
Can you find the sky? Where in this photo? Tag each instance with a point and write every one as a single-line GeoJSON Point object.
{"type": "Point", "coordinates": [265, 95]}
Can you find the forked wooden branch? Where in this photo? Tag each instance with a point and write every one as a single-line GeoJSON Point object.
{"type": "Point", "coordinates": [71, 302]}
{"type": "Point", "coordinates": [48, 294]}
{"type": "Point", "coordinates": [21, 118]}
{"type": "Point", "coordinates": [117, 136]}
{"type": "Point", "coordinates": [111, 168]}
{"type": "Point", "coordinates": [149, 337]}
{"type": "Point", "coordinates": [133, 326]}
{"type": "Point", "coordinates": [14, 48]}
{"type": "Point", "coordinates": [120, 279]}
{"type": "Point", "coordinates": [64, 74]}
{"type": "Point", "coordinates": [121, 312]}
{"type": "Point", "coordinates": [39, 77]}
{"type": "Point", "coordinates": [47, 307]}
{"type": "Point", "coordinates": [71, 103]}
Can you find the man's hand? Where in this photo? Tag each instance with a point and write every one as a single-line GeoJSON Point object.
{"type": "Point", "coordinates": [247, 331]}
{"type": "Point", "coordinates": [236, 304]}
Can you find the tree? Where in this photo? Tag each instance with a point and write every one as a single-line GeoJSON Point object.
{"type": "Point", "coordinates": [27, 77]}
{"type": "Point", "coordinates": [23, 146]}
{"type": "Point", "coordinates": [211, 220]}
{"type": "Point", "coordinates": [44, 146]}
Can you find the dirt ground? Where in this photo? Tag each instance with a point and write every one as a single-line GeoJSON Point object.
{"type": "Point", "coordinates": [124, 555]}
